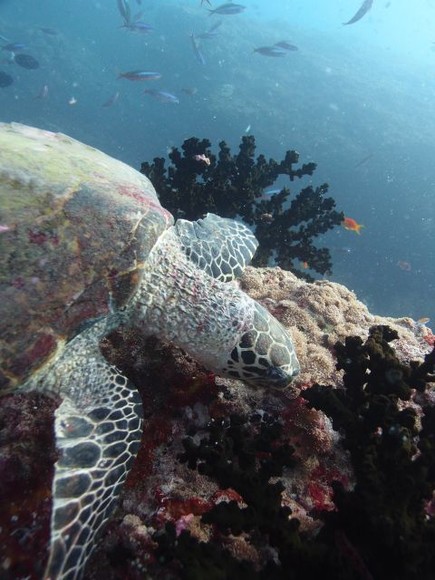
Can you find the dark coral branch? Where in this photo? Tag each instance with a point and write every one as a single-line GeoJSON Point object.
{"type": "Point", "coordinates": [243, 454]}
{"type": "Point", "coordinates": [385, 516]}
{"type": "Point", "coordinates": [233, 186]}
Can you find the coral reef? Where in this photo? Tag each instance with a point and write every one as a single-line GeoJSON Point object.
{"type": "Point", "coordinates": [384, 518]}
{"type": "Point", "coordinates": [27, 456]}
{"type": "Point", "coordinates": [235, 482]}
{"type": "Point", "coordinates": [286, 225]}
{"type": "Point", "coordinates": [321, 313]}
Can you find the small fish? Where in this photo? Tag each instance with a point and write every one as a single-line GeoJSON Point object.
{"type": "Point", "coordinates": [270, 51]}
{"type": "Point", "coordinates": [5, 80]}
{"type": "Point", "coordinates": [124, 10]}
{"type": "Point", "coordinates": [14, 47]}
{"type": "Point", "coordinates": [207, 35]}
{"type": "Point", "coordinates": [162, 96]}
{"type": "Point", "coordinates": [364, 8]}
{"type": "Point", "coordinates": [140, 75]}
{"type": "Point", "coordinates": [266, 218]}
{"type": "Point", "coordinates": [49, 31]}
{"type": "Point", "coordinates": [229, 8]}
{"type": "Point", "coordinates": [26, 61]}
{"type": "Point", "coordinates": [363, 161]}
{"type": "Point", "coordinates": [350, 224]}
{"type": "Point", "coordinates": [202, 158]}
{"type": "Point", "coordinates": [286, 45]}
{"type": "Point", "coordinates": [112, 100]}
{"type": "Point", "coordinates": [189, 91]}
{"type": "Point", "coordinates": [424, 320]}
{"type": "Point", "coordinates": [72, 101]}
{"type": "Point", "coordinates": [43, 93]}
{"type": "Point", "coordinates": [248, 128]}
{"type": "Point", "coordinates": [269, 192]}
{"type": "Point", "coordinates": [404, 265]}
{"type": "Point", "coordinates": [196, 50]}
{"type": "Point", "coordinates": [4, 229]}
{"type": "Point", "coordinates": [138, 26]}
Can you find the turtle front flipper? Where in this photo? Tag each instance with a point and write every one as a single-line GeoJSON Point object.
{"type": "Point", "coordinates": [222, 247]}
{"type": "Point", "coordinates": [98, 430]}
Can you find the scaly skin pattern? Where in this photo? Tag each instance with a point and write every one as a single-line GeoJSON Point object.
{"type": "Point", "coordinates": [215, 322]}
{"type": "Point", "coordinates": [221, 247]}
{"type": "Point", "coordinates": [98, 428]}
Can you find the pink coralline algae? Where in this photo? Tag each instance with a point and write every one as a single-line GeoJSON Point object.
{"type": "Point", "coordinates": [226, 474]}
{"type": "Point", "coordinates": [202, 158]}
{"type": "Point", "coordinates": [27, 456]}
{"type": "Point", "coordinates": [429, 338]}
{"type": "Point", "coordinates": [41, 237]}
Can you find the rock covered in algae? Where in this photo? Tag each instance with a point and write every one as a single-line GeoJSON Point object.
{"type": "Point", "coordinates": [218, 456]}
{"type": "Point", "coordinates": [323, 312]}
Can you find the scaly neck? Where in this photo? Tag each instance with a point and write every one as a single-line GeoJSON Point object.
{"type": "Point", "coordinates": [179, 302]}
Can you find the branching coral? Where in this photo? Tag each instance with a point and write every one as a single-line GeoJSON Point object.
{"type": "Point", "coordinates": [243, 454]}
{"type": "Point", "coordinates": [384, 518]}
{"type": "Point", "coordinates": [234, 185]}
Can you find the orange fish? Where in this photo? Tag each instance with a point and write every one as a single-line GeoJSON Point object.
{"type": "Point", "coordinates": [350, 224]}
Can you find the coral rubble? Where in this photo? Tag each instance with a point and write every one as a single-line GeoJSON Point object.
{"type": "Point", "coordinates": [285, 225]}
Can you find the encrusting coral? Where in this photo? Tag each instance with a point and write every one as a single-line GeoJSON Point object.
{"type": "Point", "coordinates": [217, 456]}
{"type": "Point", "coordinates": [286, 225]}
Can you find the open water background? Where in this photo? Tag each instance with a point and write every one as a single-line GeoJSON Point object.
{"type": "Point", "coordinates": [359, 100]}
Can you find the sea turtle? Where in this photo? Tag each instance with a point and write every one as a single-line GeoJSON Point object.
{"type": "Point", "coordinates": [85, 246]}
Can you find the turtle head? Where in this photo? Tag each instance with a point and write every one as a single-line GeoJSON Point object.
{"type": "Point", "coordinates": [264, 355]}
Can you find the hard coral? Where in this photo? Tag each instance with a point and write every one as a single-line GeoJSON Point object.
{"type": "Point", "coordinates": [379, 528]}
{"type": "Point", "coordinates": [234, 185]}
{"type": "Point", "coordinates": [321, 313]}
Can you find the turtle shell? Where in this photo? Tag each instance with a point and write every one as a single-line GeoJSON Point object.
{"type": "Point", "coordinates": [76, 227]}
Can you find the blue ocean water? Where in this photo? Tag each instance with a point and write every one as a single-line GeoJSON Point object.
{"type": "Point", "coordinates": [359, 100]}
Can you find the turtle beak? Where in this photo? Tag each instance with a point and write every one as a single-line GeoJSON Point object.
{"type": "Point", "coordinates": [264, 355]}
{"type": "Point", "coordinates": [279, 378]}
